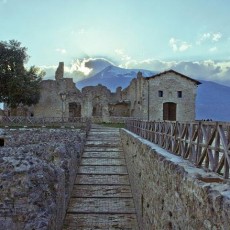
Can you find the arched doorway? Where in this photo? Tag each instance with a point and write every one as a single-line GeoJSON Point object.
{"type": "Point", "coordinates": [74, 109]}
{"type": "Point", "coordinates": [169, 111]}
{"type": "Point", "coordinates": [97, 110]}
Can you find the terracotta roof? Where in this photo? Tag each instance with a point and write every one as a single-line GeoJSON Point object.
{"type": "Point", "coordinates": [173, 71]}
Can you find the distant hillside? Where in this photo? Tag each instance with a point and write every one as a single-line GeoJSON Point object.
{"type": "Point", "coordinates": [212, 100]}
{"type": "Point", "coordinates": [113, 77]}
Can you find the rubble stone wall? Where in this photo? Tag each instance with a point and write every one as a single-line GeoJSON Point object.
{"type": "Point", "coordinates": [170, 193]}
{"type": "Point", "coordinates": [37, 173]}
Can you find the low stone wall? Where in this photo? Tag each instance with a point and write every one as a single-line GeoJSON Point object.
{"type": "Point", "coordinates": [37, 173]}
{"type": "Point", "coordinates": [170, 193]}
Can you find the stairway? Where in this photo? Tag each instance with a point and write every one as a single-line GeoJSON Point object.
{"type": "Point", "coordinates": [102, 197]}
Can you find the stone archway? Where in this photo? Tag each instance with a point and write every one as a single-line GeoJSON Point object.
{"type": "Point", "coordinates": [97, 110]}
{"type": "Point", "coordinates": [169, 111]}
{"type": "Point", "coordinates": [74, 109]}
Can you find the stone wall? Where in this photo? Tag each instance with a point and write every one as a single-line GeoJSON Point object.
{"type": "Point", "coordinates": [170, 84]}
{"type": "Point", "coordinates": [37, 172]}
{"type": "Point", "coordinates": [145, 102]}
{"type": "Point", "coordinates": [170, 193]}
{"type": "Point", "coordinates": [50, 103]}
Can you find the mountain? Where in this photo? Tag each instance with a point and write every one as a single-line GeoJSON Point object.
{"type": "Point", "coordinates": [212, 101]}
{"type": "Point", "coordinates": [113, 77]}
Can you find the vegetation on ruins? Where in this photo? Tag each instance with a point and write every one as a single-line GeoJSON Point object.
{"type": "Point", "coordinates": [18, 85]}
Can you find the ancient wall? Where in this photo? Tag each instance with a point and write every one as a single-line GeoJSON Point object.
{"type": "Point", "coordinates": [50, 103]}
{"type": "Point", "coordinates": [38, 170]}
{"type": "Point", "coordinates": [134, 94]}
{"type": "Point", "coordinates": [170, 193]}
{"type": "Point", "coordinates": [95, 101]}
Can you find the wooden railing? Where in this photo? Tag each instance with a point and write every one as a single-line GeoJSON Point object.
{"type": "Point", "coordinates": [205, 144]}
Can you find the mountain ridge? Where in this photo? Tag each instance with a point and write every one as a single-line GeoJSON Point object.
{"type": "Point", "coordinates": [113, 77]}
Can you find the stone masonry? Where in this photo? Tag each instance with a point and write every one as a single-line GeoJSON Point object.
{"type": "Point", "coordinates": [37, 172]}
{"type": "Point", "coordinates": [170, 193]}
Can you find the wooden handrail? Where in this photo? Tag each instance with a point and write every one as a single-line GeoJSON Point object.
{"type": "Point", "coordinates": [205, 144]}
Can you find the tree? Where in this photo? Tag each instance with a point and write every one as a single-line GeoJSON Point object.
{"type": "Point", "coordinates": [18, 85]}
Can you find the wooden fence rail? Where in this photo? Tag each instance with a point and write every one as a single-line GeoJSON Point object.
{"type": "Point", "coordinates": [205, 144]}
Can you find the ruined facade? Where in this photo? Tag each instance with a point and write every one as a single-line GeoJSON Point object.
{"type": "Point", "coordinates": [165, 96]}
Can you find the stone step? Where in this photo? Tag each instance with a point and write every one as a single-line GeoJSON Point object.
{"type": "Point", "coordinates": [103, 131]}
{"type": "Point", "coordinates": [101, 196]}
{"type": "Point", "coordinates": [103, 155]}
{"type": "Point", "coordinates": [102, 170]}
{"type": "Point", "coordinates": [103, 143]}
{"type": "Point", "coordinates": [104, 191]}
{"type": "Point", "coordinates": [106, 138]}
{"type": "Point", "coordinates": [102, 149]}
{"type": "Point", "coordinates": [102, 179]}
{"type": "Point", "coordinates": [100, 221]}
{"type": "Point", "coordinates": [102, 161]}
{"type": "Point", "coordinates": [101, 205]}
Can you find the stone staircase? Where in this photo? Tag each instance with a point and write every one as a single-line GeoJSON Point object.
{"type": "Point", "coordinates": [102, 197]}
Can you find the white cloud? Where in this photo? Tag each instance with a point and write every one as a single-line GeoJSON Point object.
{"type": "Point", "coordinates": [122, 55]}
{"type": "Point", "coordinates": [79, 69]}
{"type": "Point", "coordinates": [214, 37]}
{"type": "Point", "coordinates": [61, 50]}
{"type": "Point", "coordinates": [79, 66]}
{"type": "Point", "coordinates": [178, 45]}
{"type": "Point", "coordinates": [218, 71]}
{"type": "Point", "coordinates": [213, 49]}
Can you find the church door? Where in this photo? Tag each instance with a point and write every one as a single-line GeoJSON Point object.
{"type": "Point", "coordinates": [169, 111]}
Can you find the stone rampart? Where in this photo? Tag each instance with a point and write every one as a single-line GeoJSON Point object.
{"type": "Point", "coordinates": [170, 193]}
{"type": "Point", "coordinates": [37, 173]}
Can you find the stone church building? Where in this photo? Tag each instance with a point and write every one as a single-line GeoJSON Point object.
{"type": "Point", "coordinates": [165, 96]}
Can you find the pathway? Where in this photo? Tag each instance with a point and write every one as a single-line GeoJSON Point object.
{"type": "Point", "coordinates": [102, 197]}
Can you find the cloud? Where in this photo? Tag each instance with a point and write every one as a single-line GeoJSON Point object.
{"type": "Point", "coordinates": [213, 37]}
{"type": "Point", "coordinates": [178, 45]}
{"type": "Point", "coordinates": [213, 49]}
{"type": "Point", "coordinates": [61, 50]}
{"type": "Point", "coordinates": [218, 71]}
{"type": "Point", "coordinates": [79, 69]}
{"type": "Point", "coordinates": [216, 37]}
{"type": "Point", "coordinates": [121, 54]}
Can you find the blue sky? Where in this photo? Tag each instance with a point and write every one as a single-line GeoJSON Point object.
{"type": "Point", "coordinates": [190, 36]}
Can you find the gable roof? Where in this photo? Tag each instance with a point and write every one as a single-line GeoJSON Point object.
{"type": "Point", "coordinates": [177, 73]}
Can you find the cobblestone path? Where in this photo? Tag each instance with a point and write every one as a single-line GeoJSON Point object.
{"type": "Point", "coordinates": [102, 197]}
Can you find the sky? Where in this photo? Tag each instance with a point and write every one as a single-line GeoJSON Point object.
{"type": "Point", "coordinates": [192, 37]}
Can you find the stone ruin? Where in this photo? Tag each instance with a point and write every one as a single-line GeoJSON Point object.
{"type": "Point", "coordinates": [165, 96]}
{"type": "Point", "coordinates": [37, 172]}
{"type": "Point", "coordinates": [59, 74]}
